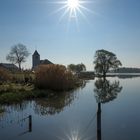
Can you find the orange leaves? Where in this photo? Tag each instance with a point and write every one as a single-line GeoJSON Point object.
{"type": "Point", "coordinates": [55, 77]}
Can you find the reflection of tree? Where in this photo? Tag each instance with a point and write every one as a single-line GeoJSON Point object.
{"type": "Point", "coordinates": [106, 91]}
{"type": "Point", "coordinates": [17, 107]}
{"type": "Point", "coordinates": [56, 102]}
{"type": "Point", "coordinates": [53, 104]}
{"type": "Point", "coordinates": [83, 83]}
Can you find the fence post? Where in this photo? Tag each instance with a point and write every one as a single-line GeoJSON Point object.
{"type": "Point", "coordinates": [30, 123]}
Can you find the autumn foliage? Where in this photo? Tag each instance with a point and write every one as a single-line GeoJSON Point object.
{"type": "Point", "coordinates": [54, 77]}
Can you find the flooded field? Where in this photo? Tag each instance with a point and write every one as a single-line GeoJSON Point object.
{"type": "Point", "coordinates": [102, 109]}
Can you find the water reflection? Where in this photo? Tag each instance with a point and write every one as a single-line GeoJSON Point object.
{"type": "Point", "coordinates": [79, 118]}
{"type": "Point", "coordinates": [29, 128]}
{"type": "Point", "coordinates": [16, 120]}
{"type": "Point", "coordinates": [54, 104]}
{"type": "Point", "coordinates": [105, 91]}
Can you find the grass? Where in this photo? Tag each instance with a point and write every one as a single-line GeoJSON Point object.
{"type": "Point", "coordinates": [18, 93]}
{"type": "Point", "coordinates": [14, 93]}
{"type": "Point", "coordinates": [20, 77]}
{"type": "Point", "coordinates": [8, 87]}
{"type": "Point", "coordinates": [54, 79]}
{"type": "Point", "coordinates": [16, 97]}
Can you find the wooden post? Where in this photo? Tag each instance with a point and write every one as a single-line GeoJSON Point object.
{"type": "Point", "coordinates": [99, 122]}
{"type": "Point", "coordinates": [30, 123]}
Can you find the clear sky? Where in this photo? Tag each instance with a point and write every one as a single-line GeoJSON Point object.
{"type": "Point", "coordinates": [113, 25]}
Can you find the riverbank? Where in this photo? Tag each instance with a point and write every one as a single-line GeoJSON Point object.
{"type": "Point", "coordinates": [14, 93]}
{"type": "Point", "coordinates": [19, 96]}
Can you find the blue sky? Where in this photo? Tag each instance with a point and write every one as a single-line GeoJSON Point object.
{"type": "Point", "coordinates": [115, 26]}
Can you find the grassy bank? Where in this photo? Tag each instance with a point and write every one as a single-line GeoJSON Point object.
{"type": "Point", "coordinates": [46, 78]}
{"type": "Point", "coordinates": [16, 93]}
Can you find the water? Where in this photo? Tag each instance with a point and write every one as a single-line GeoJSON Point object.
{"type": "Point", "coordinates": [73, 115]}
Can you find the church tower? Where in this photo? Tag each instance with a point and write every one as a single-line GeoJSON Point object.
{"type": "Point", "coordinates": [35, 59]}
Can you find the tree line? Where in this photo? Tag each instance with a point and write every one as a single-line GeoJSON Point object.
{"type": "Point", "coordinates": [104, 61]}
{"type": "Point", "coordinates": [126, 70]}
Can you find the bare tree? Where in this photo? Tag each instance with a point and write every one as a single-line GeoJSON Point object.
{"type": "Point", "coordinates": [18, 54]}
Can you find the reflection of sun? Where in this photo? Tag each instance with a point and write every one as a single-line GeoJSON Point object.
{"type": "Point", "coordinates": [74, 135]}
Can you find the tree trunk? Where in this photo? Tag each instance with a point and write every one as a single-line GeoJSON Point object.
{"type": "Point", "coordinates": [19, 66]}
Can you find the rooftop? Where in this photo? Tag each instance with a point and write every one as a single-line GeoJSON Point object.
{"type": "Point", "coordinates": [36, 53]}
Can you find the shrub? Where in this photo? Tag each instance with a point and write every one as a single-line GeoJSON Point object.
{"type": "Point", "coordinates": [4, 75]}
{"type": "Point", "coordinates": [24, 77]}
{"type": "Point", "coordinates": [54, 77]}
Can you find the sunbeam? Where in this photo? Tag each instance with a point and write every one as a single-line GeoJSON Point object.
{"type": "Point", "coordinates": [72, 8]}
{"type": "Point", "coordinates": [73, 4]}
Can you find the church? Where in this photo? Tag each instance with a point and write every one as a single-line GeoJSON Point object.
{"type": "Point", "coordinates": [36, 60]}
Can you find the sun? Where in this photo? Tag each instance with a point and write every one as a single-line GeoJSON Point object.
{"type": "Point", "coordinates": [73, 4]}
{"type": "Point", "coordinates": [73, 9]}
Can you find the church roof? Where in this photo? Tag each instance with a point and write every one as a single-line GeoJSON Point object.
{"type": "Point", "coordinates": [36, 52]}
{"type": "Point", "coordinates": [46, 61]}
{"type": "Point", "coordinates": [9, 66]}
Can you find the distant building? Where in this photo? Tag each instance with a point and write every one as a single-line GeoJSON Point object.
{"type": "Point", "coordinates": [8, 66]}
{"type": "Point", "coordinates": [36, 60]}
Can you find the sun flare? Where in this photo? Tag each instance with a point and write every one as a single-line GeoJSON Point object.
{"type": "Point", "coordinates": [74, 9]}
{"type": "Point", "coordinates": [73, 4]}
